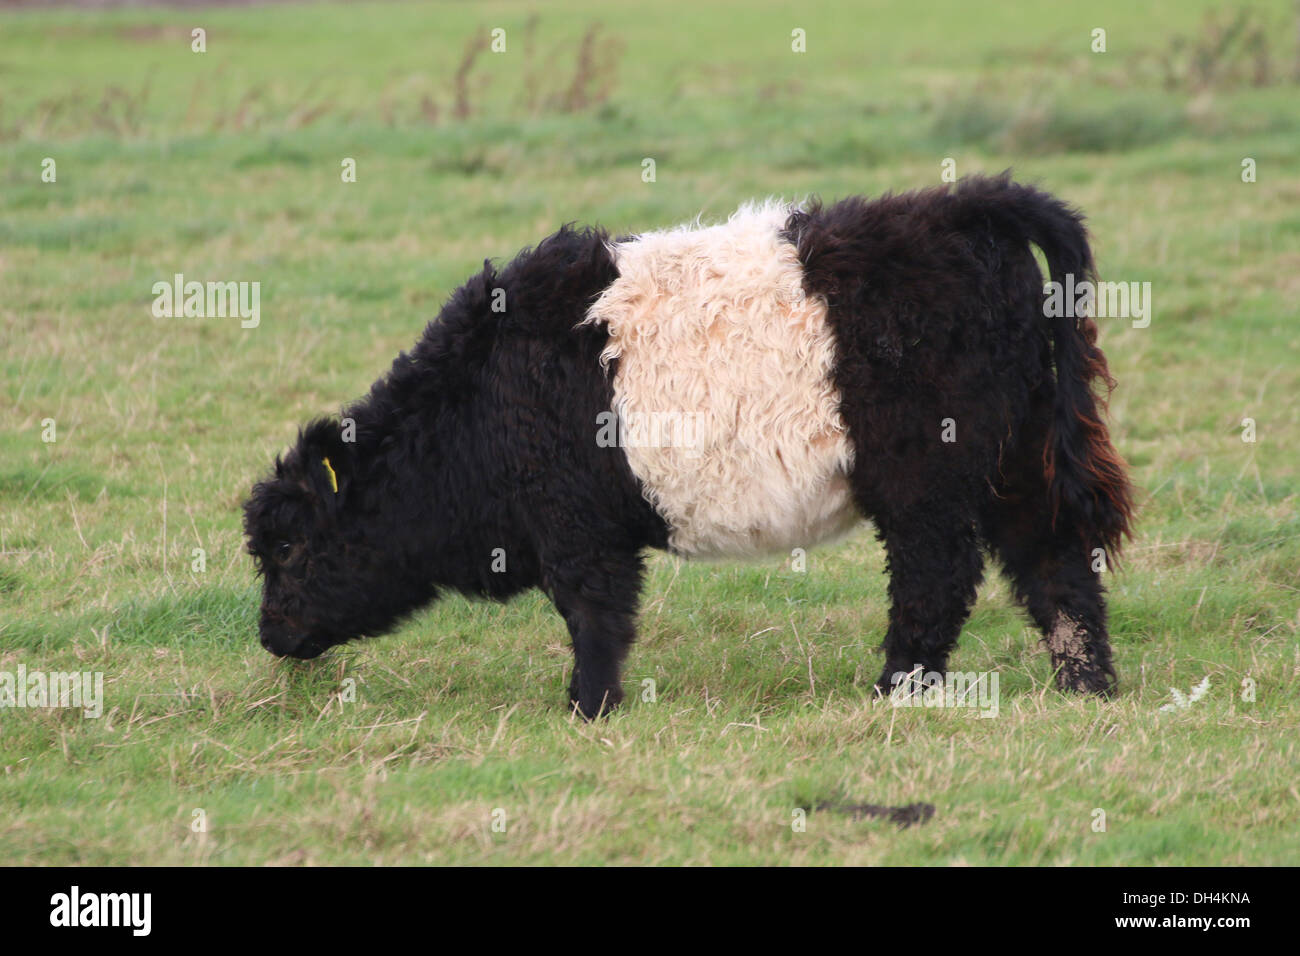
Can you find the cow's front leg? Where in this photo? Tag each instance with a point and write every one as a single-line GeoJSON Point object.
{"type": "Point", "coordinates": [600, 642]}
{"type": "Point", "coordinates": [598, 599]}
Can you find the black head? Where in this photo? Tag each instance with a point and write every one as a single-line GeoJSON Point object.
{"type": "Point", "coordinates": [331, 572]}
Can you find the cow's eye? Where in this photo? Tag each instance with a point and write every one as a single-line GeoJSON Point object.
{"type": "Point", "coordinates": [282, 551]}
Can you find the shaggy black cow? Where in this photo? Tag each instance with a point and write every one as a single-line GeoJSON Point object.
{"type": "Point", "coordinates": [737, 389]}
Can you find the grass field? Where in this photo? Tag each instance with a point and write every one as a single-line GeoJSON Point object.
{"type": "Point", "coordinates": [225, 165]}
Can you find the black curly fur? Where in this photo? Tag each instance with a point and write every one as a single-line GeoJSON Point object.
{"type": "Point", "coordinates": [478, 447]}
{"type": "Point", "coordinates": [936, 303]}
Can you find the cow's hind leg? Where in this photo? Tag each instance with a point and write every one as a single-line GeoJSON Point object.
{"type": "Point", "coordinates": [1054, 573]}
{"type": "Point", "coordinates": [935, 566]}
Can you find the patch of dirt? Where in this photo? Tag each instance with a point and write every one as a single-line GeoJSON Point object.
{"type": "Point", "coordinates": [905, 816]}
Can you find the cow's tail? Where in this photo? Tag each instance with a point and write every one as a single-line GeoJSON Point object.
{"type": "Point", "coordinates": [1087, 478]}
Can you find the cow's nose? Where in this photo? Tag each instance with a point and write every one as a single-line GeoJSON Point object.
{"type": "Point", "coordinates": [276, 642]}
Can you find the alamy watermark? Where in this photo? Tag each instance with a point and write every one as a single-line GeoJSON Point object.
{"type": "Point", "coordinates": [683, 430]}
{"type": "Point", "coordinates": [219, 300]}
{"type": "Point", "coordinates": [38, 689]}
{"type": "Point", "coordinates": [133, 911]}
{"type": "Point", "coordinates": [1115, 300]}
{"type": "Point", "coordinates": [977, 690]}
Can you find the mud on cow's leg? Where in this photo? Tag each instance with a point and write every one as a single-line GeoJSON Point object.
{"type": "Point", "coordinates": [1051, 567]}
{"type": "Point", "coordinates": [1080, 656]}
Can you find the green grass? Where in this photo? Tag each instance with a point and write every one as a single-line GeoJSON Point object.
{"type": "Point", "coordinates": [226, 165]}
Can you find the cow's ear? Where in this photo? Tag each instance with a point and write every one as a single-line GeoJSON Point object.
{"type": "Point", "coordinates": [327, 461]}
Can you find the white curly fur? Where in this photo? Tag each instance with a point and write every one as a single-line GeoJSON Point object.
{"type": "Point", "coordinates": [711, 324]}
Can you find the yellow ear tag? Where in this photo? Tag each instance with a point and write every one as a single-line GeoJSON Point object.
{"type": "Point", "coordinates": [334, 479]}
